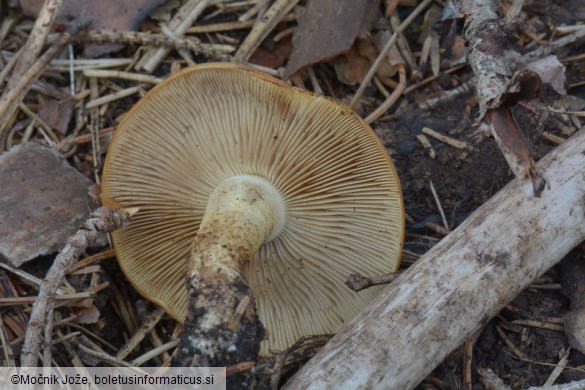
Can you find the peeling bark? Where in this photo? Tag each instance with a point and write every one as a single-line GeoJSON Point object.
{"type": "Point", "coordinates": [487, 43]}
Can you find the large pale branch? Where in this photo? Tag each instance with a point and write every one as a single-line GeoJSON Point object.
{"type": "Point", "coordinates": [455, 288]}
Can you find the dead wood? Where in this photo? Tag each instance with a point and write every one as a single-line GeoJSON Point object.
{"type": "Point", "coordinates": [359, 282]}
{"type": "Point", "coordinates": [26, 68]}
{"type": "Point", "coordinates": [131, 37]}
{"type": "Point", "coordinates": [456, 287]}
{"type": "Point", "coordinates": [385, 51]}
{"type": "Point", "coordinates": [263, 27]}
{"type": "Point", "coordinates": [36, 39]}
{"type": "Point", "coordinates": [326, 30]}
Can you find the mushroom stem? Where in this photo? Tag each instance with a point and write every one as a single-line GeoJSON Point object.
{"type": "Point", "coordinates": [242, 213]}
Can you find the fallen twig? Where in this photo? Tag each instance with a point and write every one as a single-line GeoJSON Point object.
{"type": "Point", "coordinates": [9, 65]}
{"type": "Point", "coordinates": [138, 77]}
{"type": "Point", "coordinates": [15, 92]}
{"type": "Point", "coordinates": [447, 95]}
{"type": "Point", "coordinates": [154, 352]}
{"type": "Point", "coordinates": [114, 96]}
{"type": "Point", "coordinates": [562, 364]}
{"type": "Point", "coordinates": [104, 356]}
{"type": "Point", "coordinates": [486, 41]}
{"type": "Point", "coordinates": [430, 79]}
{"type": "Point", "coordinates": [27, 279]}
{"type": "Point", "coordinates": [103, 220]}
{"type": "Point", "coordinates": [139, 335]}
{"type": "Point", "coordinates": [446, 139]}
{"type": "Point", "coordinates": [393, 98]}
{"type": "Point", "coordinates": [211, 51]}
{"type": "Point", "coordinates": [359, 282]}
{"type": "Point", "coordinates": [468, 360]}
{"type": "Point", "coordinates": [36, 40]}
{"type": "Point", "coordinates": [229, 26]}
{"type": "Point", "coordinates": [184, 18]}
{"type": "Point", "coordinates": [263, 27]}
{"type": "Point", "coordinates": [6, 348]}
{"type": "Point", "coordinates": [440, 207]}
{"type": "Point", "coordinates": [510, 344]}
{"type": "Point", "coordinates": [543, 51]}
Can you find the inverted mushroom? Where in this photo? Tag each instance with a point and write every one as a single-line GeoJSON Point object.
{"type": "Point", "coordinates": [292, 191]}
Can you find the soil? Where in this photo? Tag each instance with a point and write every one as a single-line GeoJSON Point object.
{"type": "Point", "coordinates": [463, 181]}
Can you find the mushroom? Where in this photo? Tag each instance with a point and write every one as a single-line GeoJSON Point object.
{"type": "Point", "coordinates": [238, 175]}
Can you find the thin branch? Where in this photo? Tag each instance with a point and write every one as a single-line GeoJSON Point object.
{"type": "Point", "coordinates": [390, 100]}
{"type": "Point", "coordinates": [36, 40]}
{"type": "Point", "coordinates": [211, 51]}
{"type": "Point", "coordinates": [448, 95]}
{"type": "Point", "coordinates": [14, 94]}
{"type": "Point", "coordinates": [359, 282]}
{"type": "Point", "coordinates": [486, 39]}
{"type": "Point", "coordinates": [382, 56]}
{"type": "Point", "coordinates": [543, 51]}
{"type": "Point", "coordinates": [103, 220]}
{"type": "Point", "coordinates": [146, 327]}
{"type": "Point", "coordinates": [263, 27]}
{"type": "Point", "coordinates": [440, 207]}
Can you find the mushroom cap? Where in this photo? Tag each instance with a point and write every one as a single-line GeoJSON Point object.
{"type": "Point", "coordinates": [215, 121]}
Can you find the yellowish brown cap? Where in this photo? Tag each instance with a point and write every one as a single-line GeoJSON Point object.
{"type": "Point", "coordinates": [208, 123]}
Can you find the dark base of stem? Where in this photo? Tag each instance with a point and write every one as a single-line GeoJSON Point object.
{"type": "Point", "coordinates": [232, 347]}
{"type": "Point", "coordinates": [228, 344]}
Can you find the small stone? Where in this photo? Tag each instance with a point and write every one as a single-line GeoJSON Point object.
{"type": "Point", "coordinates": [43, 201]}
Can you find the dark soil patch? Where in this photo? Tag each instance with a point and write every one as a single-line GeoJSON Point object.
{"type": "Point", "coordinates": [464, 180]}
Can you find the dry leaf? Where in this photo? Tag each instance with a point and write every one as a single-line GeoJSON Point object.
{"type": "Point", "coordinates": [551, 72]}
{"type": "Point", "coordinates": [57, 114]}
{"type": "Point", "coordinates": [87, 315]}
{"type": "Point", "coordinates": [394, 58]}
{"type": "Point", "coordinates": [274, 58]}
{"type": "Point", "coordinates": [351, 68]}
{"type": "Point", "coordinates": [574, 103]}
{"type": "Point", "coordinates": [42, 202]}
{"type": "Point", "coordinates": [104, 14]}
{"type": "Point", "coordinates": [327, 29]}
{"type": "Point", "coordinates": [525, 84]}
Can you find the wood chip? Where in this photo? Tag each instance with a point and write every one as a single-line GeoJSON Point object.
{"type": "Point", "coordinates": [446, 139]}
{"type": "Point", "coordinates": [427, 145]}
